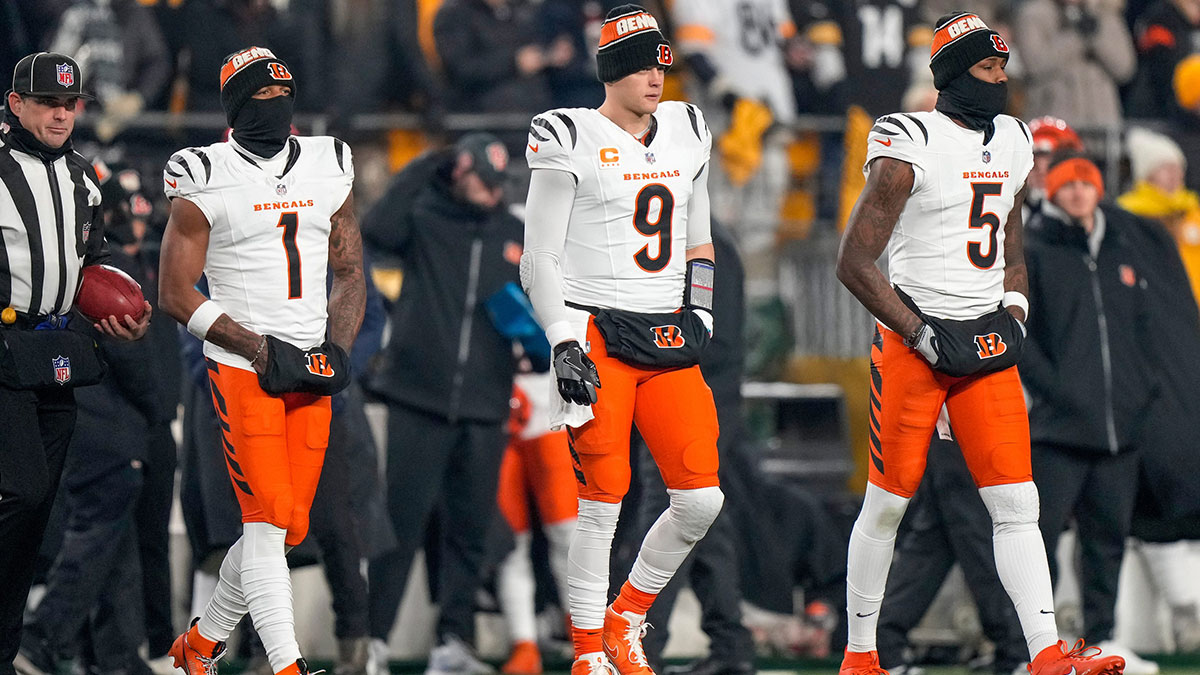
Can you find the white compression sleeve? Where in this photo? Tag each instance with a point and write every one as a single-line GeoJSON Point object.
{"type": "Point", "coordinates": [673, 536]}
{"type": "Point", "coordinates": [559, 536]}
{"type": "Point", "coordinates": [588, 560]}
{"type": "Point", "coordinates": [699, 221]}
{"type": "Point", "coordinates": [870, 557]}
{"type": "Point", "coordinates": [547, 212]}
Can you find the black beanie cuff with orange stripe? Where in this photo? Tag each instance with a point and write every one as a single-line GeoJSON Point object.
{"type": "Point", "coordinates": [960, 40]}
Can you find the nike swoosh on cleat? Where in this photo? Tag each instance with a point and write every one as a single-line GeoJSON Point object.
{"type": "Point", "coordinates": [863, 616]}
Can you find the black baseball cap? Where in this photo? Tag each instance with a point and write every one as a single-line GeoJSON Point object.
{"type": "Point", "coordinates": [48, 74]}
{"type": "Point", "coordinates": [489, 157]}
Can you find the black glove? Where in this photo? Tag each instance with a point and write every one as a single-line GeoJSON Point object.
{"type": "Point", "coordinates": [576, 374]}
{"type": "Point", "coordinates": [323, 370]}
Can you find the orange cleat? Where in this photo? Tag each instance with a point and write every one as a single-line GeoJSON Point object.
{"type": "Point", "coordinates": [622, 639]}
{"type": "Point", "coordinates": [1079, 660]}
{"type": "Point", "coordinates": [525, 659]}
{"type": "Point", "coordinates": [195, 654]}
{"type": "Point", "coordinates": [861, 663]}
{"type": "Point", "coordinates": [300, 667]}
{"type": "Point", "coordinates": [592, 664]}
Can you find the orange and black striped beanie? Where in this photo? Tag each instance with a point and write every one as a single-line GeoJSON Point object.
{"type": "Point", "coordinates": [629, 41]}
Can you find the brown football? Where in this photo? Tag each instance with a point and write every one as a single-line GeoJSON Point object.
{"type": "Point", "coordinates": [106, 291]}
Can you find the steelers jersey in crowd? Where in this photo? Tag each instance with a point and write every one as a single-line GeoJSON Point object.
{"type": "Point", "coordinates": [743, 41]}
{"type": "Point", "coordinates": [627, 237]}
{"type": "Point", "coordinates": [947, 249]}
{"type": "Point", "coordinates": [877, 36]}
{"type": "Point", "coordinates": [269, 232]}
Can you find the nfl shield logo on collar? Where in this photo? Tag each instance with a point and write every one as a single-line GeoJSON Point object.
{"type": "Point", "coordinates": [281, 189]}
{"type": "Point", "coordinates": [649, 157]}
{"type": "Point", "coordinates": [987, 156]}
{"type": "Point", "coordinates": [62, 369]}
{"type": "Point", "coordinates": [66, 74]}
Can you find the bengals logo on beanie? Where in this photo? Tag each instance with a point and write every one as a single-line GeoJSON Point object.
{"type": "Point", "coordinates": [629, 41]}
{"type": "Point", "coordinates": [247, 71]}
{"type": "Point", "coordinates": [960, 40]}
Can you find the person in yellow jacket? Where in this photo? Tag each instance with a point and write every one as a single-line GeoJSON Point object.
{"type": "Point", "coordinates": [1158, 192]}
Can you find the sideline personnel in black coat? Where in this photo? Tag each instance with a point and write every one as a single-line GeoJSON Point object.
{"type": "Point", "coordinates": [1091, 374]}
{"type": "Point", "coordinates": [447, 372]}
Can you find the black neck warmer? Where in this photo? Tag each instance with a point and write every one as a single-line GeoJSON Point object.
{"type": "Point", "coordinates": [264, 125]}
{"type": "Point", "coordinates": [973, 102]}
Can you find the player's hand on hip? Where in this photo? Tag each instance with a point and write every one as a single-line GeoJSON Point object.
{"type": "Point", "coordinates": [126, 328]}
{"type": "Point", "coordinates": [924, 342]}
{"type": "Point", "coordinates": [576, 374]}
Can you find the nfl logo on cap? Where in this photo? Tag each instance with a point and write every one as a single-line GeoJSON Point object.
{"type": "Point", "coordinates": [66, 74]}
{"type": "Point", "coordinates": [62, 369]}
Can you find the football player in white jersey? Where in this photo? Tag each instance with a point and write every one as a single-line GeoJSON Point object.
{"type": "Point", "coordinates": [618, 263]}
{"type": "Point", "coordinates": [263, 216]}
{"type": "Point", "coordinates": [950, 332]}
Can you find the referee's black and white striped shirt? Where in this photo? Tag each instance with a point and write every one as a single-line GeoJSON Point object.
{"type": "Point", "coordinates": [52, 226]}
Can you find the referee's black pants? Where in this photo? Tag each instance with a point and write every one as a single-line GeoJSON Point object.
{"type": "Point", "coordinates": [36, 428]}
{"type": "Point", "coordinates": [1098, 491]}
{"type": "Point", "coordinates": [433, 461]}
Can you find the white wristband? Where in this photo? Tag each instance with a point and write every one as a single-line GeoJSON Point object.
{"type": "Point", "coordinates": [1016, 299]}
{"type": "Point", "coordinates": [203, 318]}
{"type": "Point", "coordinates": [558, 332]}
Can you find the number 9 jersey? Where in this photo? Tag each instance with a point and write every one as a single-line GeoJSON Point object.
{"type": "Point", "coordinates": [268, 244]}
{"type": "Point", "coordinates": [947, 249]}
{"type": "Point", "coordinates": [627, 236]}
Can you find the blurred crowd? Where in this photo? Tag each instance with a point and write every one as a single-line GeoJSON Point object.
{"type": "Point", "coordinates": [1115, 80]}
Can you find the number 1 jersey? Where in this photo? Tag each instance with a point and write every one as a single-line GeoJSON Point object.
{"type": "Point", "coordinates": [268, 245]}
{"type": "Point", "coordinates": [627, 236]}
{"type": "Point", "coordinates": [947, 249]}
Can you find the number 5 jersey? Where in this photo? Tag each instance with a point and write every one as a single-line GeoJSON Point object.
{"type": "Point", "coordinates": [269, 222]}
{"type": "Point", "coordinates": [627, 237]}
{"type": "Point", "coordinates": [947, 249]}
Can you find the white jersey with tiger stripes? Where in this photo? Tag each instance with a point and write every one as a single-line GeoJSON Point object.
{"type": "Point", "coordinates": [947, 249]}
{"type": "Point", "coordinates": [627, 236]}
{"type": "Point", "coordinates": [268, 245]}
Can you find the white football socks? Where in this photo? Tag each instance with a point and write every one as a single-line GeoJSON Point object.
{"type": "Point", "coordinates": [558, 536]}
{"type": "Point", "coordinates": [1021, 560]}
{"type": "Point", "coordinates": [515, 589]}
{"type": "Point", "coordinates": [267, 586]}
{"type": "Point", "coordinates": [587, 563]}
{"type": "Point", "coordinates": [870, 557]}
{"type": "Point", "coordinates": [226, 605]}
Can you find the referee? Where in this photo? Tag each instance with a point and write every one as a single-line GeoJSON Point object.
{"type": "Point", "coordinates": [51, 226]}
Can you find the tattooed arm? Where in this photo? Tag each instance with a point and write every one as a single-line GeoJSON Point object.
{"type": "Point", "coordinates": [348, 296]}
{"type": "Point", "coordinates": [1016, 277]}
{"type": "Point", "coordinates": [184, 249]}
{"type": "Point", "coordinates": [889, 184]}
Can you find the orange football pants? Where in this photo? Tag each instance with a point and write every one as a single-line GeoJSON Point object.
{"type": "Point", "coordinates": [987, 415]}
{"type": "Point", "coordinates": [274, 448]}
{"type": "Point", "coordinates": [674, 412]}
{"type": "Point", "coordinates": [539, 466]}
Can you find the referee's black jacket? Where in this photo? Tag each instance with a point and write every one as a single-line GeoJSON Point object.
{"type": "Point", "coordinates": [50, 220]}
{"type": "Point", "coordinates": [1087, 363]}
{"type": "Point", "coordinates": [444, 355]}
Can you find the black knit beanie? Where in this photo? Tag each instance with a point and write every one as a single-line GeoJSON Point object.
{"type": "Point", "coordinates": [960, 40]}
{"type": "Point", "coordinates": [629, 41]}
{"type": "Point", "coordinates": [247, 71]}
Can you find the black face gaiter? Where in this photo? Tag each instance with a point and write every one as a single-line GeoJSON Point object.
{"type": "Point", "coordinates": [22, 139]}
{"type": "Point", "coordinates": [973, 102]}
{"type": "Point", "coordinates": [264, 124]}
